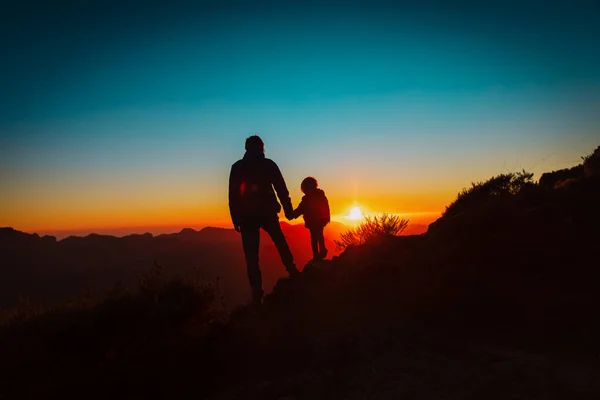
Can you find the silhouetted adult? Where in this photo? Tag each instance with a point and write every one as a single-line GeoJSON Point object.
{"type": "Point", "coordinates": [253, 205]}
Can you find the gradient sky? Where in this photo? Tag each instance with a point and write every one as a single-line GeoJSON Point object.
{"type": "Point", "coordinates": [130, 113]}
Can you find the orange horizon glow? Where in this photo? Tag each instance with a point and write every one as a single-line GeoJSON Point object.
{"type": "Point", "coordinates": [417, 218]}
{"type": "Point", "coordinates": [133, 202]}
{"type": "Point", "coordinates": [123, 228]}
{"type": "Point", "coordinates": [346, 219]}
{"type": "Point", "coordinates": [164, 212]}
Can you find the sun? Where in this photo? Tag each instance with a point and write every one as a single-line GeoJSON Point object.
{"type": "Point", "coordinates": [355, 214]}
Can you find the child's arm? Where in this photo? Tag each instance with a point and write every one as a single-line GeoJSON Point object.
{"type": "Point", "coordinates": [299, 211]}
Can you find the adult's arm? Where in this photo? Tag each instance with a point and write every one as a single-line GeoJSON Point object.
{"type": "Point", "coordinates": [282, 190]}
{"type": "Point", "coordinates": [234, 196]}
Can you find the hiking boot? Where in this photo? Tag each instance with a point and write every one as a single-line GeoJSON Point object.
{"type": "Point", "coordinates": [293, 271]}
{"type": "Point", "coordinates": [257, 301]}
{"type": "Point", "coordinates": [257, 297]}
{"type": "Point", "coordinates": [323, 254]}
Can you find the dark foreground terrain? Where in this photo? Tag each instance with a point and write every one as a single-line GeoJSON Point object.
{"type": "Point", "coordinates": [499, 299]}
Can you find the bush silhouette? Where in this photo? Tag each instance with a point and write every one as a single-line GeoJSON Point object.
{"type": "Point", "coordinates": [157, 302]}
{"type": "Point", "coordinates": [500, 186]}
{"type": "Point", "coordinates": [370, 227]}
{"type": "Point", "coordinates": [135, 332]}
{"type": "Point", "coordinates": [591, 164]}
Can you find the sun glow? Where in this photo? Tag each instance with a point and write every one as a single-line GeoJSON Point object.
{"type": "Point", "coordinates": [355, 213]}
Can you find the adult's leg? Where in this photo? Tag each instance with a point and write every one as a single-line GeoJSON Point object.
{"type": "Point", "coordinates": [251, 242]}
{"type": "Point", "coordinates": [272, 227]}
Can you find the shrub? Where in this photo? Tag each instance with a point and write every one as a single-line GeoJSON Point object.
{"type": "Point", "coordinates": [142, 335]}
{"type": "Point", "coordinates": [157, 300]}
{"type": "Point", "coordinates": [591, 164]}
{"type": "Point", "coordinates": [504, 185]}
{"type": "Point", "coordinates": [372, 226]}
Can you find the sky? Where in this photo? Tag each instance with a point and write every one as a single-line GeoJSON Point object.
{"type": "Point", "coordinates": [123, 114]}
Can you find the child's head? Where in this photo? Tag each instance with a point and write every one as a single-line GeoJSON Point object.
{"type": "Point", "coordinates": [309, 184]}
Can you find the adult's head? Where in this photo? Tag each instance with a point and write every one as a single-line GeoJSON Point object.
{"type": "Point", "coordinates": [255, 144]}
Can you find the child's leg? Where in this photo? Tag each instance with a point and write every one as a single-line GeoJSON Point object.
{"type": "Point", "coordinates": [323, 252]}
{"type": "Point", "coordinates": [322, 243]}
{"type": "Point", "coordinates": [314, 241]}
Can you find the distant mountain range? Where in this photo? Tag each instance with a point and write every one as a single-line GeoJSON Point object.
{"type": "Point", "coordinates": [44, 270]}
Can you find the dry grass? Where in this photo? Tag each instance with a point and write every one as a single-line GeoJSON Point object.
{"type": "Point", "coordinates": [370, 227]}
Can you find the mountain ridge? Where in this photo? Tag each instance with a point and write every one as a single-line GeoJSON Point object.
{"type": "Point", "coordinates": [61, 269]}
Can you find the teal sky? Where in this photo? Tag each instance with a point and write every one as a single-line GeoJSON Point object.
{"type": "Point", "coordinates": [107, 108]}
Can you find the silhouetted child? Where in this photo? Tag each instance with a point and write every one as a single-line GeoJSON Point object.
{"type": "Point", "coordinates": [315, 209]}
